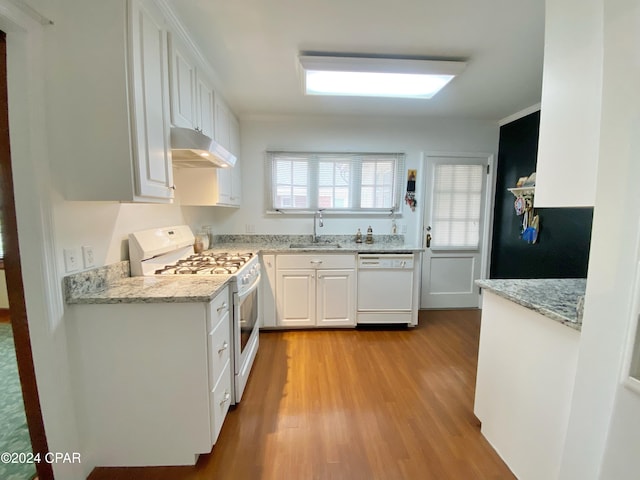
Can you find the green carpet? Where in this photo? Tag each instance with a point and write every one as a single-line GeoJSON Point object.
{"type": "Point", "coordinates": [14, 436]}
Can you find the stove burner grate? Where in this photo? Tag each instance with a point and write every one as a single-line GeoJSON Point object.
{"type": "Point", "coordinates": [207, 264]}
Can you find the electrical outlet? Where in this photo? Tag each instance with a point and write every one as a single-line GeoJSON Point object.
{"type": "Point", "coordinates": [87, 257]}
{"type": "Point", "coordinates": [403, 229]}
{"type": "Point", "coordinates": [71, 259]}
{"type": "Point", "coordinates": [250, 228]}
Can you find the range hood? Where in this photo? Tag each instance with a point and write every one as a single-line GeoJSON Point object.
{"type": "Point", "coordinates": [193, 149]}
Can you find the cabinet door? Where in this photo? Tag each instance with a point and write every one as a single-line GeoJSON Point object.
{"type": "Point", "coordinates": [236, 172]}
{"type": "Point", "coordinates": [222, 123]}
{"type": "Point", "coordinates": [205, 107]}
{"type": "Point", "coordinates": [296, 299]}
{"type": "Point", "coordinates": [150, 94]}
{"type": "Point", "coordinates": [336, 298]}
{"type": "Point", "coordinates": [183, 86]}
{"type": "Point", "coordinates": [224, 185]}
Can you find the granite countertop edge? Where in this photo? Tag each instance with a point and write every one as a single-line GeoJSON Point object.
{"type": "Point", "coordinates": [113, 283]}
{"type": "Point", "coordinates": [553, 298]}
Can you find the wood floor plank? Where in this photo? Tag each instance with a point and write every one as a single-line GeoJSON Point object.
{"type": "Point", "coordinates": [370, 403]}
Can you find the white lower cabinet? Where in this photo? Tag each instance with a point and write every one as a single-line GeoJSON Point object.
{"type": "Point", "coordinates": [315, 290]}
{"type": "Point", "coordinates": [152, 381]}
{"type": "Point", "coordinates": [335, 298]}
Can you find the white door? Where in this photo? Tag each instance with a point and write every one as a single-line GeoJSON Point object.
{"type": "Point", "coordinates": [454, 233]}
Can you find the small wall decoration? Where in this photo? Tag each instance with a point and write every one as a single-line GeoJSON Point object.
{"type": "Point", "coordinates": [410, 196]}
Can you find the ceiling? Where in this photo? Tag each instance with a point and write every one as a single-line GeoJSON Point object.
{"type": "Point", "coordinates": [253, 46]}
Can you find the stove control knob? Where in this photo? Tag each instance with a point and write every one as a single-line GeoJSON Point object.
{"type": "Point", "coordinates": [245, 279]}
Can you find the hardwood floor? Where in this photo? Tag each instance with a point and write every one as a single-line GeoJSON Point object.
{"type": "Point", "coordinates": [353, 404]}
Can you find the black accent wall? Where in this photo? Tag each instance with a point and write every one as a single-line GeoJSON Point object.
{"type": "Point", "coordinates": [562, 249]}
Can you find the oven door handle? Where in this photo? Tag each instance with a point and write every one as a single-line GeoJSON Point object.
{"type": "Point", "coordinates": [255, 285]}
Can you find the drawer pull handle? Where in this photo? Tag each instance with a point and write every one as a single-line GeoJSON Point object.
{"type": "Point", "coordinates": [227, 397]}
{"type": "Point", "coordinates": [316, 262]}
{"type": "Point", "coordinates": [225, 345]}
{"type": "Point", "coordinates": [221, 307]}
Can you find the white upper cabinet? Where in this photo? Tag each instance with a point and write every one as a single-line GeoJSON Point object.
{"type": "Point", "coordinates": [195, 104]}
{"type": "Point", "coordinates": [107, 94]}
{"type": "Point", "coordinates": [569, 142]}
{"type": "Point", "coordinates": [236, 173]}
{"type": "Point", "coordinates": [183, 85]}
{"type": "Point", "coordinates": [205, 107]}
{"type": "Point", "coordinates": [223, 121]}
{"type": "Point", "coordinates": [148, 62]}
{"type": "Point", "coordinates": [192, 97]}
{"type": "Point", "coordinates": [228, 135]}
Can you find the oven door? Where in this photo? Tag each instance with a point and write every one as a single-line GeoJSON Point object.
{"type": "Point", "coordinates": [246, 331]}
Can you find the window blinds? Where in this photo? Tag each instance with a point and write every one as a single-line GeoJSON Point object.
{"type": "Point", "coordinates": [457, 200]}
{"type": "Point", "coordinates": [334, 181]}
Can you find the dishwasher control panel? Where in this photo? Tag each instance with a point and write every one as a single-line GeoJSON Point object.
{"type": "Point", "coordinates": [386, 261]}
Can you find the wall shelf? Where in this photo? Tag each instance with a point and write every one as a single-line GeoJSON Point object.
{"type": "Point", "coordinates": [522, 191]}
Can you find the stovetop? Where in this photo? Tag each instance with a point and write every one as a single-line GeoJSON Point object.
{"type": "Point", "coordinates": [207, 264]}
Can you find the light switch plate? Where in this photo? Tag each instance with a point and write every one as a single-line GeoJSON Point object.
{"type": "Point", "coordinates": [71, 259]}
{"type": "Point", "coordinates": [87, 257]}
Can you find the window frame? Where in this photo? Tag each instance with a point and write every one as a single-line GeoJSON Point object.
{"type": "Point", "coordinates": [313, 159]}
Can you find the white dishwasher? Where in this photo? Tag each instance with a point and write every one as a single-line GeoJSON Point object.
{"type": "Point", "coordinates": [385, 288]}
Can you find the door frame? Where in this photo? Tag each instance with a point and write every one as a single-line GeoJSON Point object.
{"type": "Point", "coordinates": [41, 334]}
{"type": "Point", "coordinates": [15, 286]}
{"type": "Point", "coordinates": [489, 202]}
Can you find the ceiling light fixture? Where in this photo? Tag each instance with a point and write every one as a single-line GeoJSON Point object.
{"type": "Point", "coordinates": [376, 77]}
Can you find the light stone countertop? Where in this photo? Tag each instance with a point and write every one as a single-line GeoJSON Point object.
{"type": "Point", "coordinates": [554, 298]}
{"type": "Point", "coordinates": [279, 244]}
{"type": "Point", "coordinates": [113, 284]}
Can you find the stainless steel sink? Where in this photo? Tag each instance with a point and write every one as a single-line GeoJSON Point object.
{"type": "Point", "coordinates": [315, 245]}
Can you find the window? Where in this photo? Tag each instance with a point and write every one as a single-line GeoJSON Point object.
{"type": "Point", "coordinates": [457, 201]}
{"type": "Point", "coordinates": [334, 181]}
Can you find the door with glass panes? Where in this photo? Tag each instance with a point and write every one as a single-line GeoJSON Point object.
{"type": "Point", "coordinates": [454, 234]}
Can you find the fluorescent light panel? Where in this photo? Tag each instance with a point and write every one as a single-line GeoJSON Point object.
{"type": "Point", "coordinates": [377, 77]}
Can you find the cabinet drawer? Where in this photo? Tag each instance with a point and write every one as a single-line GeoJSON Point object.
{"type": "Point", "coordinates": [220, 400]}
{"type": "Point", "coordinates": [219, 349]}
{"type": "Point", "coordinates": [316, 261]}
{"type": "Point", "coordinates": [218, 308]}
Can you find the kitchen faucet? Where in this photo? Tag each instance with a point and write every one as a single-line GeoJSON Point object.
{"type": "Point", "coordinates": [315, 220]}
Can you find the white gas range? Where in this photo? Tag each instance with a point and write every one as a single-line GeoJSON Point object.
{"type": "Point", "coordinates": [169, 252]}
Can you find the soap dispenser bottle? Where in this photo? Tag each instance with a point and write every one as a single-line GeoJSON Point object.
{"type": "Point", "coordinates": [358, 236]}
{"type": "Point", "coordinates": [369, 235]}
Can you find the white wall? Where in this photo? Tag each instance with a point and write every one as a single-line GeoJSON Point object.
{"type": "Point", "coordinates": [412, 136]}
{"type": "Point", "coordinates": [604, 427]}
{"type": "Point", "coordinates": [47, 224]}
{"type": "Point", "coordinates": [25, 75]}
{"type": "Point", "coordinates": [105, 226]}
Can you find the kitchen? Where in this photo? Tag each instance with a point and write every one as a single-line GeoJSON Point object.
{"type": "Point", "coordinates": [105, 226]}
